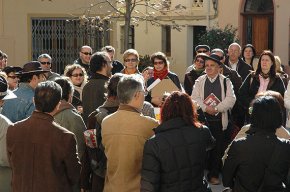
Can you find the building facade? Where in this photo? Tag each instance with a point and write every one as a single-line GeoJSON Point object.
{"type": "Point", "coordinates": [31, 27]}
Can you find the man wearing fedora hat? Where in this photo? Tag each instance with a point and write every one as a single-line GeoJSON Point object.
{"type": "Point", "coordinates": [5, 171]}
{"type": "Point", "coordinates": [23, 106]}
{"type": "Point", "coordinates": [215, 99]}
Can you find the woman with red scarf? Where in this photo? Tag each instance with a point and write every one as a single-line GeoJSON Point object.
{"type": "Point", "coordinates": [161, 71]}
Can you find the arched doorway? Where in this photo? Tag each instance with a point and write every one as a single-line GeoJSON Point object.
{"type": "Point", "coordinates": [258, 24]}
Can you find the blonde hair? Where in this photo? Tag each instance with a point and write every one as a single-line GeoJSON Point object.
{"type": "Point", "coordinates": [130, 52]}
{"type": "Point", "coordinates": [278, 63]}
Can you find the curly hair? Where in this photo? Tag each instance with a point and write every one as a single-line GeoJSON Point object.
{"type": "Point", "coordinates": [70, 68]}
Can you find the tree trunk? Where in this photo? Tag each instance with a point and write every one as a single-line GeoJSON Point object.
{"type": "Point", "coordinates": [127, 23]}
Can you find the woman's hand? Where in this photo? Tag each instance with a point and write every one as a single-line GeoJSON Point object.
{"type": "Point", "coordinates": [157, 101]}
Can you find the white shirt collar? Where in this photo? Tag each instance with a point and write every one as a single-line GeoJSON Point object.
{"type": "Point", "coordinates": [212, 79]}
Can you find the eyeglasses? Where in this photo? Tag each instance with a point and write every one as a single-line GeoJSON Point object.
{"type": "Point", "coordinates": [78, 74]}
{"type": "Point", "coordinates": [199, 60]}
{"type": "Point", "coordinates": [131, 60]}
{"type": "Point", "coordinates": [13, 76]}
{"type": "Point", "coordinates": [145, 93]}
{"type": "Point", "coordinates": [86, 53]}
{"type": "Point", "coordinates": [45, 63]}
{"type": "Point", "coordinates": [158, 62]}
{"type": "Point", "coordinates": [202, 51]}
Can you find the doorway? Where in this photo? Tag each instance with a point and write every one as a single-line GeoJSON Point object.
{"type": "Point", "coordinates": [258, 28]}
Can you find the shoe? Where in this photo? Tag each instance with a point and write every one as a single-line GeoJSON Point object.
{"type": "Point", "coordinates": [214, 181]}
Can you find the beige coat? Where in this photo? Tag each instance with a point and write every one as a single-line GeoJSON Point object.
{"type": "Point", "coordinates": [227, 102]}
{"type": "Point", "coordinates": [124, 134]}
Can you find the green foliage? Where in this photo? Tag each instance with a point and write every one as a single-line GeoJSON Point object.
{"type": "Point", "coordinates": [144, 62]}
{"type": "Point", "coordinates": [219, 38]}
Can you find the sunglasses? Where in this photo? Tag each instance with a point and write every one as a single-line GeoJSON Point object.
{"type": "Point", "coordinates": [202, 51]}
{"type": "Point", "coordinates": [131, 60]}
{"type": "Point", "coordinates": [158, 62]}
{"type": "Point", "coordinates": [76, 75]}
{"type": "Point", "coordinates": [86, 53]}
{"type": "Point", "coordinates": [199, 60]}
{"type": "Point", "coordinates": [13, 76]}
{"type": "Point", "coordinates": [45, 63]}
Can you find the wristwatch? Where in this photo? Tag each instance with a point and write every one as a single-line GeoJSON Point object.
{"type": "Point", "coordinates": [216, 109]}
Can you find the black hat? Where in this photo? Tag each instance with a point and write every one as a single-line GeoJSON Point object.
{"type": "Point", "coordinates": [31, 68]}
{"type": "Point", "coordinates": [214, 57]}
{"type": "Point", "coordinates": [206, 47]}
{"type": "Point", "coordinates": [9, 69]}
{"type": "Point", "coordinates": [5, 93]}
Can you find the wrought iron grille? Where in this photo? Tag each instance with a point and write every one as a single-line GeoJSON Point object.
{"type": "Point", "coordinates": [62, 39]}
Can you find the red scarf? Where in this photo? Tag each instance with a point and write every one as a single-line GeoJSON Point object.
{"type": "Point", "coordinates": [160, 74]}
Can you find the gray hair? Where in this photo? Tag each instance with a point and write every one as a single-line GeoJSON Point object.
{"type": "Point", "coordinates": [235, 44]}
{"type": "Point", "coordinates": [218, 50]}
{"type": "Point", "coordinates": [44, 55]}
{"type": "Point", "coordinates": [128, 86]}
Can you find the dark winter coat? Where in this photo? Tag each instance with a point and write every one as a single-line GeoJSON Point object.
{"type": "Point", "coordinates": [90, 180]}
{"type": "Point", "coordinates": [251, 86]}
{"type": "Point", "coordinates": [243, 68]}
{"type": "Point", "coordinates": [174, 159]}
{"type": "Point", "coordinates": [248, 157]}
{"type": "Point", "coordinates": [189, 80]}
{"type": "Point", "coordinates": [42, 155]}
{"type": "Point", "coordinates": [94, 94]}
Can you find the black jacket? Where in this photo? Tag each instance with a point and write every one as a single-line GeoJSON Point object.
{"type": "Point", "coordinates": [174, 159]}
{"type": "Point", "coordinates": [94, 94]}
{"type": "Point", "coordinates": [233, 76]}
{"type": "Point", "coordinates": [117, 67]}
{"type": "Point", "coordinates": [251, 85]}
{"type": "Point", "coordinates": [189, 80]}
{"type": "Point", "coordinates": [244, 168]}
{"type": "Point", "coordinates": [243, 68]}
{"type": "Point", "coordinates": [171, 76]}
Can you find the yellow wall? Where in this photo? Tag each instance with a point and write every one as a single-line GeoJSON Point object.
{"type": "Point", "coordinates": [15, 35]}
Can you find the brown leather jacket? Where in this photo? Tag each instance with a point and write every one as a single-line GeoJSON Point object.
{"type": "Point", "coordinates": [42, 155]}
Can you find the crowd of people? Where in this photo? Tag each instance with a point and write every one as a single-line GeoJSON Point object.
{"type": "Point", "coordinates": [104, 125]}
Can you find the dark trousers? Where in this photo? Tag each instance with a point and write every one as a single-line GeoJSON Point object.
{"type": "Point", "coordinates": [215, 155]}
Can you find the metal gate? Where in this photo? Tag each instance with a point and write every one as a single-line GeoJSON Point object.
{"type": "Point", "coordinates": [62, 39]}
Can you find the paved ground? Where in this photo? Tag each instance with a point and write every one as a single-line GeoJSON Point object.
{"type": "Point", "coordinates": [217, 188]}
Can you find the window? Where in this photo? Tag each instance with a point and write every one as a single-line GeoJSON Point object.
{"type": "Point", "coordinates": [131, 38]}
{"type": "Point", "coordinates": [197, 4]}
{"type": "Point", "coordinates": [61, 39]}
{"type": "Point", "coordinates": [166, 40]}
{"type": "Point", "coordinates": [259, 6]}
